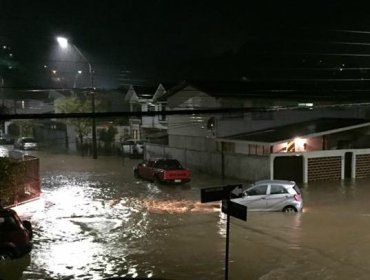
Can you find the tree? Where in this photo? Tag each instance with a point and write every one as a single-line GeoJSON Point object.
{"type": "Point", "coordinates": [78, 104]}
{"type": "Point", "coordinates": [107, 136]}
{"type": "Point", "coordinates": [74, 104]}
{"type": "Point", "coordinates": [21, 128]}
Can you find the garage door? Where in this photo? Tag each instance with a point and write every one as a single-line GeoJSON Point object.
{"type": "Point", "coordinates": [289, 168]}
{"type": "Point", "coordinates": [324, 168]}
{"type": "Point", "coordinates": [362, 166]}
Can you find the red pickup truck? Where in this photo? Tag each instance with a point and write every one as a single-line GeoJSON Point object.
{"type": "Point", "coordinates": [162, 171]}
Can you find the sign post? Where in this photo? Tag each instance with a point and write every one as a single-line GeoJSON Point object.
{"type": "Point", "coordinates": [229, 207]}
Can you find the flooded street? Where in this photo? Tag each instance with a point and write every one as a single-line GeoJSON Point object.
{"type": "Point", "coordinates": [95, 220]}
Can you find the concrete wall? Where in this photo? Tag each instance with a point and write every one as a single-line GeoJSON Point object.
{"type": "Point", "coordinates": [317, 165]}
{"type": "Point", "coordinates": [236, 165]}
{"type": "Point", "coordinates": [201, 144]}
{"type": "Point", "coordinates": [247, 167]}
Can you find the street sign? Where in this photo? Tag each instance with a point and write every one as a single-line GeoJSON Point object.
{"type": "Point", "coordinates": [234, 209]}
{"type": "Point", "coordinates": [217, 193]}
{"type": "Point", "coordinates": [212, 194]}
{"type": "Point", "coordinates": [228, 207]}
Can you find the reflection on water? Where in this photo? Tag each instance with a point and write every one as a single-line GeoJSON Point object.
{"type": "Point", "coordinates": [92, 225]}
{"type": "Point", "coordinates": [88, 232]}
{"type": "Point", "coordinates": [78, 230]}
{"type": "Point", "coordinates": [179, 206]}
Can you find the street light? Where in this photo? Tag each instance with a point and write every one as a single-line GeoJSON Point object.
{"type": "Point", "coordinates": [63, 43]}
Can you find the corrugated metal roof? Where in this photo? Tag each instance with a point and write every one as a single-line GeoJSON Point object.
{"type": "Point", "coordinates": [312, 128]}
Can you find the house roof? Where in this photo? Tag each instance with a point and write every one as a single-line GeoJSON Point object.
{"type": "Point", "coordinates": [302, 89]}
{"type": "Point", "coordinates": [145, 92]}
{"type": "Point", "coordinates": [307, 129]}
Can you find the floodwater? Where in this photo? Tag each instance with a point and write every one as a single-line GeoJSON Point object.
{"type": "Point", "coordinates": [95, 221]}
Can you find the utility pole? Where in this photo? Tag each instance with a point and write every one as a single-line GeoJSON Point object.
{"type": "Point", "coordinates": [94, 144]}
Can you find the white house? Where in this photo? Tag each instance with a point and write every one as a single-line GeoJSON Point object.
{"type": "Point", "coordinates": [147, 99]}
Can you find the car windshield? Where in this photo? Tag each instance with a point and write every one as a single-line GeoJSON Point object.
{"type": "Point", "coordinates": [94, 94]}
{"type": "Point", "coordinates": [168, 164]}
{"type": "Point", "coordinates": [28, 140]}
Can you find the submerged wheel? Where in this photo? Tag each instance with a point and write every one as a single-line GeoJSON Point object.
{"type": "Point", "coordinates": [288, 209]}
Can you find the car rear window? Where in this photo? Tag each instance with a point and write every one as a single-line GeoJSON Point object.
{"type": "Point", "coordinates": [29, 140]}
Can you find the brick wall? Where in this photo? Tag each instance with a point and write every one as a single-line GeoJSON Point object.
{"type": "Point", "coordinates": [324, 168]}
{"type": "Point", "coordinates": [362, 166]}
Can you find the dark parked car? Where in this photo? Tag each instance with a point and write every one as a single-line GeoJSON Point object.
{"type": "Point", "coordinates": [15, 234]}
{"type": "Point", "coordinates": [26, 143]}
{"type": "Point", "coordinates": [162, 171]}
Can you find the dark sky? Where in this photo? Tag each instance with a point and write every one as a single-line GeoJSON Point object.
{"type": "Point", "coordinates": [174, 40]}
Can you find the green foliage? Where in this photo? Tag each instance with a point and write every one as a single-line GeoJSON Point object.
{"type": "Point", "coordinates": [21, 128]}
{"type": "Point", "coordinates": [107, 135]}
{"type": "Point", "coordinates": [75, 104]}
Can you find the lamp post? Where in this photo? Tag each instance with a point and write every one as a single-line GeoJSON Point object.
{"type": "Point", "coordinates": [63, 43]}
{"type": "Point", "coordinates": [79, 72]}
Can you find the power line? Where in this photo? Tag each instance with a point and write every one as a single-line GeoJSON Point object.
{"type": "Point", "coordinates": [172, 112]}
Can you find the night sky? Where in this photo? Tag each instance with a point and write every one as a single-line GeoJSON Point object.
{"type": "Point", "coordinates": [160, 40]}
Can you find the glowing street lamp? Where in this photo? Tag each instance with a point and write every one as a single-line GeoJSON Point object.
{"type": "Point", "coordinates": [63, 43]}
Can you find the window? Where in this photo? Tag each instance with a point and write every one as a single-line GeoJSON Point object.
{"type": "Point", "coordinates": [162, 117]}
{"type": "Point", "coordinates": [277, 189]}
{"type": "Point", "coordinates": [260, 190]}
{"type": "Point", "coordinates": [151, 108]}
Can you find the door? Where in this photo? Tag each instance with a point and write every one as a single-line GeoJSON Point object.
{"type": "Point", "coordinates": [277, 197]}
{"type": "Point", "coordinates": [348, 165]}
{"type": "Point", "coordinates": [146, 170]}
{"type": "Point", "coordinates": [255, 198]}
{"type": "Point", "coordinates": [289, 168]}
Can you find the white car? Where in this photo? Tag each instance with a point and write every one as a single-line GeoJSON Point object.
{"type": "Point", "coordinates": [272, 195]}
{"type": "Point", "coordinates": [26, 143]}
{"type": "Point", "coordinates": [133, 148]}
{"type": "Point", "coordinates": [4, 152]}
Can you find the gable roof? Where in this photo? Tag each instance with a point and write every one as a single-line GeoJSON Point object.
{"type": "Point", "coordinates": [307, 129]}
{"type": "Point", "coordinates": [145, 92]}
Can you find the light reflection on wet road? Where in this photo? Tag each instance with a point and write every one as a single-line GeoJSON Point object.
{"type": "Point", "coordinates": [95, 220]}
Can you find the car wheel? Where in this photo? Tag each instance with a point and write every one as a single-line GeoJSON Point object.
{"type": "Point", "coordinates": [288, 209]}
